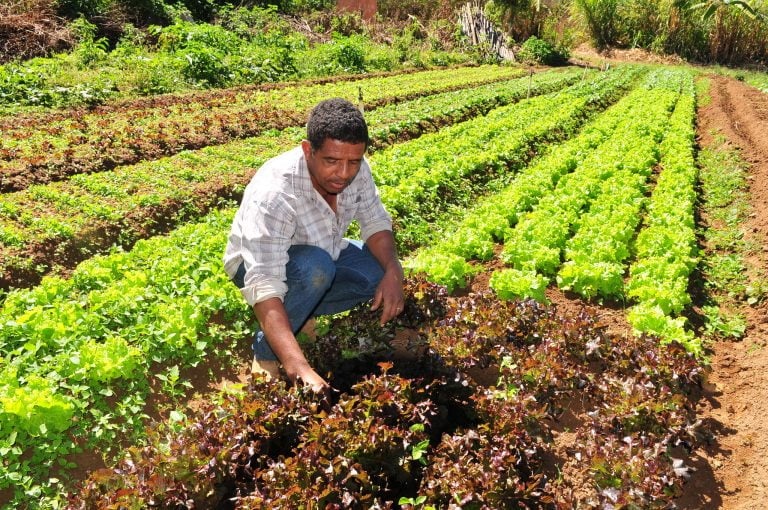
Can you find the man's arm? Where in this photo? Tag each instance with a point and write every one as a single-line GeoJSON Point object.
{"type": "Point", "coordinates": [389, 295]}
{"type": "Point", "coordinates": [274, 322]}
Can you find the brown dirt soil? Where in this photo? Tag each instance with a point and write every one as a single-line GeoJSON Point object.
{"type": "Point", "coordinates": [584, 54]}
{"type": "Point", "coordinates": [733, 466]}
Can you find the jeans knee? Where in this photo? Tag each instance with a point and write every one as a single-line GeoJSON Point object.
{"type": "Point", "coordinates": [320, 278]}
{"type": "Point", "coordinates": [312, 266]}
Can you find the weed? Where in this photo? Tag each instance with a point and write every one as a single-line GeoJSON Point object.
{"type": "Point", "coordinates": [722, 324]}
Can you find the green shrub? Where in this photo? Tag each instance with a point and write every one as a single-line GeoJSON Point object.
{"type": "Point", "coordinates": [158, 76]}
{"type": "Point", "coordinates": [22, 85]}
{"type": "Point", "coordinates": [183, 34]}
{"type": "Point", "coordinates": [539, 51]}
{"type": "Point", "coordinates": [256, 24]}
{"type": "Point", "coordinates": [148, 12]}
{"type": "Point", "coordinates": [27, 85]}
{"type": "Point", "coordinates": [381, 58]}
{"type": "Point", "coordinates": [600, 17]}
{"type": "Point", "coordinates": [204, 66]}
{"type": "Point", "coordinates": [259, 64]}
{"type": "Point", "coordinates": [200, 9]}
{"type": "Point", "coordinates": [131, 43]}
{"type": "Point", "coordinates": [341, 55]}
{"type": "Point", "coordinates": [74, 8]}
{"type": "Point", "coordinates": [409, 41]}
{"type": "Point", "coordinates": [349, 52]}
{"type": "Point", "coordinates": [89, 50]}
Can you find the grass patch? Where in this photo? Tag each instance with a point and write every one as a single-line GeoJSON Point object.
{"type": "Point", "coordinates": [729, 281]}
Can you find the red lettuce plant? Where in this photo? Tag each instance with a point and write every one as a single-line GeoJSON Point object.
{"type": "Point", "coordinates": [424, 431]}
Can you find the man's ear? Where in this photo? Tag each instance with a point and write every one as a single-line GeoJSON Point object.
{"type": "Point", "coordinates": [306, 147]}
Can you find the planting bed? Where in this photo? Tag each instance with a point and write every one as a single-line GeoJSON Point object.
{"type": "Point", "coordinates": [412, 428]}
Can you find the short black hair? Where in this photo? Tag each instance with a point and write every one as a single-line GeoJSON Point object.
{"type": "Point", "coordinates": [337, 119]}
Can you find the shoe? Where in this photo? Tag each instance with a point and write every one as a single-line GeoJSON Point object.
{"type": "Point", "coordinates": [269, 369]}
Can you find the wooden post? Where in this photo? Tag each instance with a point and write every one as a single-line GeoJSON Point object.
{"type": "Point", "coordinates": [530, 82]}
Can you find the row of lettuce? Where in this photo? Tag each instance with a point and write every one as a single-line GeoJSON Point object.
{"type": "Point", "coordinates": [425, 433]}
{"type": "Point", "coordinates": [43, 147]}
{"type": "Point", "coordinates": [78, 353]}
{"type": "Point", "coordinates": [87, 213]}
{"type": "Point", "coordinates": [571, 217]}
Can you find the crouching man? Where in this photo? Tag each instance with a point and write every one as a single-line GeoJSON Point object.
{"type": "Point", "coordinates": [286, 251]}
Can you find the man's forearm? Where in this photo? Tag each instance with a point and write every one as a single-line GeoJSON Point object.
{"type": "Point", "coordinates": [382, 247]}
{"type": "Point", "coordinates": [276, 326]}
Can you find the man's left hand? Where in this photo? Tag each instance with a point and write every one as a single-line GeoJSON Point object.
{"type": "Point", "coordinates": [389, 296]}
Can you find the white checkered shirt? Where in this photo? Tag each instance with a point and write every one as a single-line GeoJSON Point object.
{"type": "Point", "coordinates": [281, 208]}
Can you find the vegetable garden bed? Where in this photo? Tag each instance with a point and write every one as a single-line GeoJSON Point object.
{"type": "Point", "coordinates": [501, 401]}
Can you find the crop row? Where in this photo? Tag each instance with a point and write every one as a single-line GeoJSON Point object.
{"type": "Point", "coordinates": [76, 361]}
{"type": "Point", "coordinates": [410, 119]}
{"type": "Point", "coordinates": [665, 248]}
{"type": "Point", "coordinates": [475, 234]}
{"type": "Point", "coordinates": [591, 214]}
{"type": "Point", "coordinates": [421, 179]}
{"type": "Point", "coordinates": [87, 213]}
{"type": "Point", "coordinates": [423, 434]}
{"type": "Point", "coordinates": [587, 198]}
{"type": "Point", "coordinates": [91, 141]}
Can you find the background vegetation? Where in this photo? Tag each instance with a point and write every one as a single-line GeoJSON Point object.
{"type": "Point", "coordinates": [81, 52]}
{"type": "Point", "coordinates": [106, 49]}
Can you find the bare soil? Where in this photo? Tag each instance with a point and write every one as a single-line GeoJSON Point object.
{"type": "Point", "coordinates": [732, 469]}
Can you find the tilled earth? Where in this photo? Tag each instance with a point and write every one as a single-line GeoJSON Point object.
{"type": "Point", "coordinates": [733, 468]}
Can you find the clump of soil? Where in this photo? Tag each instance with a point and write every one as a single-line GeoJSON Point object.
{"type": "Point", "coordinates": [31, 31]}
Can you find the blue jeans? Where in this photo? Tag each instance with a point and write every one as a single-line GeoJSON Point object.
{"type": "Point", "coordinates": [318, 285]}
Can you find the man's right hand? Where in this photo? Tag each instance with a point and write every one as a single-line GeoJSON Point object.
{"type": "Point", "coordinates": [274, 322]}
{"type": "Point", "coordinates": [300, 372]}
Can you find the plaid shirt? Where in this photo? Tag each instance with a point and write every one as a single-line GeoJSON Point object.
{"type": "Point", "coordinates": [281, 208]}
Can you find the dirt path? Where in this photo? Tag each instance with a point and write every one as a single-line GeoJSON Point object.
{"type": "Point", "coordinates": [732, 470]}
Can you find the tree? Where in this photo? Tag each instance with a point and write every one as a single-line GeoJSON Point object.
{"type": "Point", "coordinates": [710, 7]}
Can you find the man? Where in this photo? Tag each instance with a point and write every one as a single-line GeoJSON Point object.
{"type": "Point", "coordinates": [286, 251]}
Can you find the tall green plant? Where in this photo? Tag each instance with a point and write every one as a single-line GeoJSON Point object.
{"type": "Point", "coordinates": [709, 8]}
{"type": "Point", "coordinates": [520, 18]}
{"type": "Point", "coordinates": [601, 17]}
{"type": "Point", "coordinates": [715, 31]}
{"type": "Point", "coordinates": [643, 23]}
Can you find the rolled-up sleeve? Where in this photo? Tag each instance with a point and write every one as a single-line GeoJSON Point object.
{"type": "Point", "coordinates": [266, 229]}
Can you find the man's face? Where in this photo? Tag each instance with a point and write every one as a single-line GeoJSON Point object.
{"type": "Point", "coordinates": [334, 165]}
